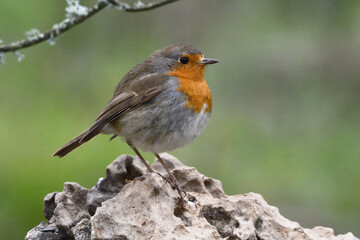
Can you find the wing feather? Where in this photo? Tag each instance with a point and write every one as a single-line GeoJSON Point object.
{"type": "Point", "coordinates": [119, 106]}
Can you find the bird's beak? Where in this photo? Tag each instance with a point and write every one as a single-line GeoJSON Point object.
{"type": "Point", "coordinates": [207, 61]}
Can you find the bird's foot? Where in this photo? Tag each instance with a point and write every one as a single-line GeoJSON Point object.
{"type": "Point", "coordinates": [174, 185]}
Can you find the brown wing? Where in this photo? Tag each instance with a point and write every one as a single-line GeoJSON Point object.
{"type": "Point", "coordinates": [119, 106]}
{"type": "Point", "coordinates": [143, 90]}
{"type": "Point", "coordinates": [135, 93]}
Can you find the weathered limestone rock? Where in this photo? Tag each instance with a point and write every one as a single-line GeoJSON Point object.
{"type": "Point", "coordinates": [132, 204]}
{"type": "Point", "coordinates": [120, 172]}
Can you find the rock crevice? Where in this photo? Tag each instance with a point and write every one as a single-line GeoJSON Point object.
{"type": "Point", "coordinates": [130, 203]}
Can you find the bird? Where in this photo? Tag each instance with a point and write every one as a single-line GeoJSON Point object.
{"type": "Point", "coordinates": [161, 104]}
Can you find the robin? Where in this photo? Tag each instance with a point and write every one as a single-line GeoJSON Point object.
{"type": "Point", "coordinates": [162, 104]}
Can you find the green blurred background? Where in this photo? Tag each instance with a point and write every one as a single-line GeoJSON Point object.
{"type": "Point", "coordinates": [286, 113]}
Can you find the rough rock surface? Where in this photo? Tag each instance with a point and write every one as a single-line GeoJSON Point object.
{"type": "Point", "coordinates": [130, 204]}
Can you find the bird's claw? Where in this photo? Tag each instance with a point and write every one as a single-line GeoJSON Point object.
{"type": "Point", "coordinates": [167, 179]}
{"type": "Point", "coordinates": [174, 185]}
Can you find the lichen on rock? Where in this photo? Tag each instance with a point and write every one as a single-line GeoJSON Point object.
{"type": "Point", "coordinates": [130, 203]}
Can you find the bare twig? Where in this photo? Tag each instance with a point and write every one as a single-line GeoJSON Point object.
{"type": "Point", "coordinates": [68, 23]}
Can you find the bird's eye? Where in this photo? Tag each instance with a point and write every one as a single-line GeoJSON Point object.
{"type": "Point", "coordinates": [184, 60]}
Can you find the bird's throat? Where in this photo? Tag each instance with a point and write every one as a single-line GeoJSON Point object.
{"type": "Point", "coordinates": [194, 87]}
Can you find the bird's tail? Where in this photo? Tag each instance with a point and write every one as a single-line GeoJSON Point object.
{"type": "Point", "coordinates": [73, 143]}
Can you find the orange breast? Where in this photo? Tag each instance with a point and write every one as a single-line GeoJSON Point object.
{"type": "Point", "coordinates": [198, 94]}
{"type": "Point", "coordinates": [193, 85]}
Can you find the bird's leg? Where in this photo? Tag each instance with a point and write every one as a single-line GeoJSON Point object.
{"type": "Point", "coordinates": [112, 137]}
{"type": "Point", "coordinates": [145, 163]}
{"type": "Point", "coordinates": [172, 179]}
{"type": "Point", "coordinates": [174, 184]}
{"type": "Point", "coordinates": [141, 157]}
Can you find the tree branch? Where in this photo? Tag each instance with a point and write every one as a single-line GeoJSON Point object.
{"type": "Point", "coordinates": [146, 7]}
{"type": "Point", "coordinates": [68, 23]}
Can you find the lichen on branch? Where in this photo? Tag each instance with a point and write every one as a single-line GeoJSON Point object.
{"type": "Point", "coordinates": [75, 13]}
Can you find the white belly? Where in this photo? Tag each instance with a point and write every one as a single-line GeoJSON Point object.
{"type": "Point", "coordinates": [176, 137]}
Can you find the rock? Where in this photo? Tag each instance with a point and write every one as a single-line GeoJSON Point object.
{"type": "Point", "coordinates": [49, 205]}
{"type": "Point", "coordinates": [148, 215]}
{"type": "Point", "coordinates": [323, 233]}
{"type": "Point", "coordinates": [120, 172]}
{"type": "Point", "coordinates": [70, 206]}
{"type": "Point", "coordinates": [42, 232]}
{"type": "Point", "coordinates": [133, 204]}
{"type": "Point", "coordinates": [82, 230]}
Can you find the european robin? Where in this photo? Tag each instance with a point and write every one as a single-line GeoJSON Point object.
{"type": "Point", "coordinates": [162, 104]}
